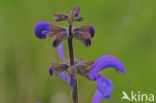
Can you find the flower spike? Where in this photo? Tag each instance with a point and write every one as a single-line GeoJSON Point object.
{"type": "Point", "coordinates": [68, 69]}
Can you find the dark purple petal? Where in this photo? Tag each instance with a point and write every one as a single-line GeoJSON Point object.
{"type": "Point", "coordinates": [60, 51]}
{"type": "Point", "coordinates": [105, 86]}
{"type": "Point", "coordinates": [56, 43]}
{"type": "Point", "coordinates": [98, 97]}
{"type": "Point", "coordinates": [63, 76]}
{"type": "Point", "coordinates": [91, 31]}
{"type": "Point", "coordinates": [51, 72]}
{"type": "Point", "coordinates": [42, 29]}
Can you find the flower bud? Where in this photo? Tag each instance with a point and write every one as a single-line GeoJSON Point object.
{"type": "Point", "coordinates": [51, 72]}
{"type": "Point", "coordinates": [75, 12]}
{"type": "Point", "coordinates": [42, 29]}
{"type": "Point", "coordinates": [91, 31]}
{"type": "Point", "coordinates": [78, 19]}
{"type": "Point", "coordinates": [60, 17]}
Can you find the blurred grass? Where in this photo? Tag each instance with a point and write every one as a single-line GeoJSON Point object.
{"type": "Point", "coordinates": [124, 28]}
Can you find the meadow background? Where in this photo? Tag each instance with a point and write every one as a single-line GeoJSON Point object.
{"type": "Point", "coordinates": [125, 29]}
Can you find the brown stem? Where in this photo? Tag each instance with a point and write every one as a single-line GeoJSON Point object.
{"type": "Point", "coordinates": [71, 57]}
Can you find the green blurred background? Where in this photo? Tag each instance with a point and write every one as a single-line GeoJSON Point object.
{"type": "Point", "coordinates": [125, 29]}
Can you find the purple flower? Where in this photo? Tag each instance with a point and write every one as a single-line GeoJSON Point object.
{"type": "Point", "coordinates": [42, 29]}
{"type": "Point", "coordinates": [63, 76]}
{"type": "Point", "coordinates": [91, 31]}
{"type": "Point", "coordinates": [104, 86]}
{"type": "Point", "coordinates": [61, 56]}
{"type": "Point", "coordinates": [60, 51]}
{"type": "Point", "coordinates": [98, 97]}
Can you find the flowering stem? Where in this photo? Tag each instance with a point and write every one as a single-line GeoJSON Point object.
{"type": "Point", "coordinates": [71, 57]}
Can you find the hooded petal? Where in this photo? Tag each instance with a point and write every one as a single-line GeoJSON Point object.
{"type": "Point", "coordinates": [60, 51]}
{"type": "Point", "coordinates": [98, 97]}
{"type": "Point", "coordinates": [42, 29]}
{"type": "Point", "coordinates": [104, 85]}
{"type": "Point", "coordinates": [104, 62]}
{"type": "Point", "coordinates": [63, 76]}
{"type": "Point", "coordinates": [108, 61]}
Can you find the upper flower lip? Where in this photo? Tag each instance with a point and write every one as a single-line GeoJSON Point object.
{"type": "Point", "coordinates": [106, 62]}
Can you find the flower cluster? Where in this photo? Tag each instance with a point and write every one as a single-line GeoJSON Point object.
{"type": "Point", "coordinates": [60, 33]}
{"type": "Point", "coordinates": [89, 69]}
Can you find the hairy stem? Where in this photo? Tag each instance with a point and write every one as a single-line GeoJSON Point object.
{"type": "Point", "coordinates": [71, 57]}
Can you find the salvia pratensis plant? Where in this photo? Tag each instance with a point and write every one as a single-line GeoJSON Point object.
{"type": "Point", "coordinates": [68, 69]}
